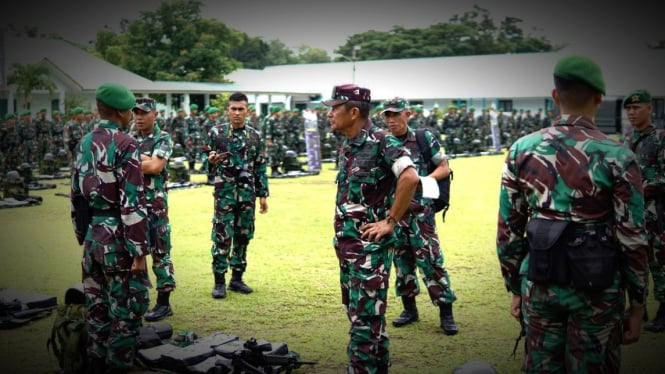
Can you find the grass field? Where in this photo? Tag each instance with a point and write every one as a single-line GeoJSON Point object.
{"type": "Point", "coordinates": [293, 270]}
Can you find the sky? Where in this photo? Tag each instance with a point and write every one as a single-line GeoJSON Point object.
{"type": "Point", "coordinates": [327, 24]}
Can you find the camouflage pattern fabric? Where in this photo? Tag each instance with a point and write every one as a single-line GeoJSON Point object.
{"type": "Point", "coordinates": [73, 134]}
{"type": "Point", "coordinates": [239, 180]}
{"type": "Point", "coordinates": [27, 132]}
{"type": "Point", "coordinates": [274, 136]}
{"type": "Point", "coordinates": [108, 174]}
{"type": "Point", "coordinates": [365, 192]}
{"type": "Point", "coordinates": [572, 171]}
{"type": "Point", "coordinates": [57, 135]}
{"type": "Point", "coordinates": [158, 144]}
{"type": "Point", "coordinates": [10, 143]}
{"type": "Point", "coordinates": [649, 147]}
{"type": "Point", "coordinates": [43, 136]}
{"type": "Point", "coordinates": [418, 242]}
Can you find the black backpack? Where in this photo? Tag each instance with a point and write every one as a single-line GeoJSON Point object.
{"type": "Point", "coordinates": [442, 203]}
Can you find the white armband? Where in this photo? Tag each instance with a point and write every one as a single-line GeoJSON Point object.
{"type": "Point", "coordinates": [402, 164]}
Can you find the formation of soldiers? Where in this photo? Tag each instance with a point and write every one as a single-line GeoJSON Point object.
{"type": "Point", "coordinates": [37, 142]}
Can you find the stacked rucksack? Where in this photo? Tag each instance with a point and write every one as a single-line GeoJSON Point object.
{"type": "Point", "coordinates": [69, 334]}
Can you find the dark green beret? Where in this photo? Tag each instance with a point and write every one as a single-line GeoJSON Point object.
{"type": "Point", "coordinates": [251, 108]}
{"type": "Point", "coordinates": [193, 107]}
{"type": "Point", "coordinates": [77, 110]}
{"type": "Point", "coordinates": [213, 109]}
{"type": "Point", "coordinates": [25, 112]}
{"type": "Point", "coordinates": [275, 109]}
{"type": "Point", "coordinates": [180, 110]}
{"type": "Point", "coordinates": [87, 111]}
{"type": "Point", "coordinates": [43, 110]}
{"type": "Point", "coordinates": [55, 112]}
{"type": "Point", "coordinates": [9, 116]}
{"type": "Point", "coordinates": [581, 68]}
{"type": "Point", "coordinates": [116, 96]}
{"type": "Point", "coordinates": [636, 97]}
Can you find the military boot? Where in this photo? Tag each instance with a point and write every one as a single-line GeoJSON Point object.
{"type": "Point", "coordinates": [219, 291]}
{"type": "Point", "coordinates": [161, 310]}
{"type": "Point", "coordinates": [447, 321]}
{"type": "Point", "coordinates": [658, 323]}
{"type": "Point", "coordinates": [409, 314]}
{"type": "Point", "coordinates": [237, 284]}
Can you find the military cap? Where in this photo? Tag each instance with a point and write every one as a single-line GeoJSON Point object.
{"type": "Point", "coordinates": [348, 92]}
{"type": "Point", "coordinates": [43, 110]}
{"type": "Point", "coordinates": [636, 97]}
{"type": "Point", "coordinates": [213, 109]}
{"type": "Point", "coordinates": [55, 112]}
{"type": "Point", "coordinates": [193, 107]}
{"type": "Point", "coordinates": [295, 110]}
{"type": "Point", "coordinates": [251, 108]}
{"type": "Point", "coordinates": [275, 109]}
{"type": "Point", "coordinates": [87, 111]}
{"type": "Point", "coordinates": [78, 110]}
{"type": "Point", "coordinates": [25, 112]}
{"type": "Point", "coordinates": [472, 108]}
{"type": "Point", "coordinates": [180, 110]}
{"type": "Point", "coordinates": [162, 110]}
{"type": "Point", "coordinates": [116, 96]}
{"type": "Point", "coordinates": [145, 104]}
{"type": "Point", "coordinates": [581, 68]}
{"type": "Point", "coordinates": [396, 104]}
{"type": "Point", "coordinates": [9, 116]}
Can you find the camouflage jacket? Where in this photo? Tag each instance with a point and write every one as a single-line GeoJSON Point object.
{"type": "Point", "coordinates": [156, 144]}
{"type": "Point", "coordinates": [108, 174]}
{"type": "Point", "coordinates": [649, 147]}
{"type": "Point", "coordinates": [572, 171]}
{"type": "Point", "coordinates": [366, 183]}
{"type": "Point", "coordinates": [242, 176]}
{"type": "Point", "coordinates": [410, 142]}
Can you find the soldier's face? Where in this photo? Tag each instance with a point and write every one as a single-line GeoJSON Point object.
{"type": "Point", "coordinates": [639, 115]}
{"type": "Point", "coordinates": [144, 121]}
{"type": "Point", "coordinates": [341, 119]}
{"type": "Point", "coordinates": [396, 122]}
{"type": "Point", "coordinates": [237, 111]}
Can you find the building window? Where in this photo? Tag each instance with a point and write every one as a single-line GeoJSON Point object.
{"type": "Point", "coordinates": [659, 108]}
{"type": "Point", "coordinates": [506, 105]}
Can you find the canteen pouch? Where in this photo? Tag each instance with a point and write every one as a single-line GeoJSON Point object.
{"type": "Point", "coordinates": [593, 260]}
{"type": "Point", "coordinates": [547, 254]}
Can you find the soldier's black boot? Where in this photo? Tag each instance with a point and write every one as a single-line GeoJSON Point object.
{"type": "Point", "coordinates": [409, 314]}
{"type": "Point", "coordinates": [237, 284]}
{"type": "Point", "coordinates": [219, 291]}
{"type": "Point", "coordinates": [447, 321]}
{"type": "Point", "coordinates": [96, 366]}
{"type": "Point", "coordinates": [161, 310]}
{"type": "Point", "coordinates": [658, 323]}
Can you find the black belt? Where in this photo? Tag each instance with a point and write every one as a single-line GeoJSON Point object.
{"type": "Point", "coordinates": [105, 212]}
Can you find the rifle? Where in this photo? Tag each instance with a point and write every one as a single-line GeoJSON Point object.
{"type": "Point", "coordinates": [253, 359]}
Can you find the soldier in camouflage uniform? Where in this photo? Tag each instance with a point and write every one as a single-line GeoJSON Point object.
{"type": "Point", "coordinates": [57, 133]}
{"type": "Point", "coordinates": [10, 143]}
{"type": "Point", "coordinates": [107, 174]}
{"type": "Point", "coordinates": [418, 242]}
{"type": "Point", "coordinates": [27, 133]}
{"type": "Point", "coordinates": [43, 136]}
{"type": "Point", "coordinates": [178, 129]}
{"type": "Point", "coordinates": [156, 147]}
{"type": "Point", "coordinates": [74, 129]}
{"type": "Point", "coordinates": [273, 134]}
{"type": "Point", "coordinates": [238, 158]}
{"type": "Point", "coordinates": [293, 131]}
{"type": "Point", "coordinates": [648, 143]}
{"type": "Point", "coordinates": [375, 183]}
{"type": "Point", "coordinates": [193, 136]}
{"type": "Point", "coordinates": [570, 234]}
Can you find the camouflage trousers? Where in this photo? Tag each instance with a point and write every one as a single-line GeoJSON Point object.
{"type": "Point", "coordinates": [418, 247]}
{"type": "Point", "coordinates": [571, 331]}
{"type": "Point", "coordinates": [656, 239]}
{"type": "Point", "coordinates": [160, 251]}
{"type": "Point", "coordinates": [116, 302]}
{"type": "Point", "coordinates": [232, 229]}
{"type": "Point", "coordinates": [364, 281]}
{"type": "Point", "coordinates": [276, 155]}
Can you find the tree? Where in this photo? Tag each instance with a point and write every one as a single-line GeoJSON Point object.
{"type": "Point", "coordinates": [311, 55]}
{"type": "Point", "coordinates": [30, 77]}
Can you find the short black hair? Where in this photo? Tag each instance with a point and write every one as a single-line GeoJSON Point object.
{"type": "Point", "coordinates": [238, 96]}
{"type": "Point", "coordinates": [363, 107]}
{"type": "Point", "coordinates": [573, 93]}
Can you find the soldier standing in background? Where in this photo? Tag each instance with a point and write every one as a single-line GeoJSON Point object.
{"type": "Point", "coordinates": [27, 132]}
{"type": "Point", "coordinates": [156, 148]}
{"type": "Point", "coordinates": [375, 183]}
{"type": "Point", "coordinates": [648, 143]}
{"type": "Point", "coordinates": [418, 242]}
{"type": "Point", "coordinates": [178, 129]}
{"type": "Point", "coordinates": [73, 129]}
{"type": "Point", "coordinates": [237, 156]}
{"type": "Point", "coordinates": [44, 139]}
{"type": "Point", "coordinates": [274, 137]}
{"type": "Point", "coordinates": [10, 143]}
{"type": "Point", "coordinates": [570, 234]}
{"type": "Point", "coordinates": [107, 176]}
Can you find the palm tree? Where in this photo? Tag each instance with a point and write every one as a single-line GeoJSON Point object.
{"type": "Point", "coordinates": [30, 77]}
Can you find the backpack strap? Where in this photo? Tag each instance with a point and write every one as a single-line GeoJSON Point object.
{"type": "Point", "coordinates": [423, 146]}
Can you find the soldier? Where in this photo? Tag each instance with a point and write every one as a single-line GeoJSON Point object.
{"type": "Point", "coordinates": [74, 129]}
{"type": "Point", "coordinates": [156, 147]}
{"type": "Point", "coordinates": [107, 182]}
{"type": "Point", "coordinates": [375, 183]}
{"type": "Point", "coordinates": [418, 242]}
{"type": "Point", "coordinates": [57, 130]}
{"type": "Point", "coordinates": [27, 132]}
{"type": "Point", "coordinates": [292, 131]}
{"type": "Point", "coordinates": [193, 136]}
{"type": "Point", "coordinates": [177, 128]}
{"type": "Point", "coordinates": [274, 137]}
{"type": "Point", "coordinates": [253, 119]}
{"type": "Point", "coordinates": [43, 136]}
{"type": "Point", "coordinates": [648, 143]}
{"type": "Point", "coordinates": [238, 157]}
{"type": "Point", "coordinates": [211, 121]}
{"type": "Point", "coordinates": [570, 233]}
{"type": "Point", "coordinates": [10, 143]}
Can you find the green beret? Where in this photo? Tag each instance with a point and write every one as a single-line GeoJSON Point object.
{"type": "Point", "coordinates": [419, 109]}
{"type": "Point", "coordinates": [636, 97]}
{"type": "Point", "coordinates": [213, 109]}
{"type": "Point", "coordinates": [275, 109]}
{"type": "Point", "coordinates": [87, 111]}
{"type": "Point", "coordinates": [43, 110]}
{"type": "Point", "coordinates": [116, 96]}
{"type": "Point", "coordinates": [9, 116]}
{"type": "Point", "coordinates": [180, 110]}
{"type": "Point", "coordinates": [193, 107]}
{"type": "Point", "coordinates": [55, 112]}
{"type": "Point", "coordinates": [25, 112]}
{"type": "Point", "coordinates": [251, 108]}
{"type": "Point", "coordinates": [77, 110]}
{"type": "Point", "coordinates": [581, 68]}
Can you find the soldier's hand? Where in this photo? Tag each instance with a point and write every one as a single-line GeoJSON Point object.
{"type": "Point", "coordinates": [139, 265]}
{"type": "Point", "coordinates": [373, 232]}
{"type": "Point", "coordinates": [632, 325]}
{"type": "Point", "coordinates": [516, 307]}
{"type": "Point", "coordinates": [263, 205]}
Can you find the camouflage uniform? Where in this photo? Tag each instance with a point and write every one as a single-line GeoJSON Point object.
{"type": "Point", "coordinates": [274, 136]}
{"type": "Point", "coordinates": [57, 135]}
{"type": "Point", "coordinates": [365, 191]}
{"type": "Point", "coordinates": [73, 134]}
{"type": "Point", "coordinates": [27, 132]}
{"type": "Point", "coordinates": [418, 243]}
{"type": "Point", "coordinates": [10, 143]}
{"type": "Point", "coordinates": [43, 135]}
{"type": "Point", "coordinates": [572, 172]}
{"type": "Point", "coordinates": [108, 174]}
{"type": "Point", "coordinates": [649, 147]}
{"type": "Point", "coordinates": [158, 144]}
{"type": "Point", "coordinates": [239, 181]}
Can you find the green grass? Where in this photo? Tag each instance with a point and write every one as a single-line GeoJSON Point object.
{"type": "Point", "coordinates": [293, 270]}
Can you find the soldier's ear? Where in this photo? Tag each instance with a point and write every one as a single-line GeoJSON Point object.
{"type": "Point", "coordinates": [555, 96]}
